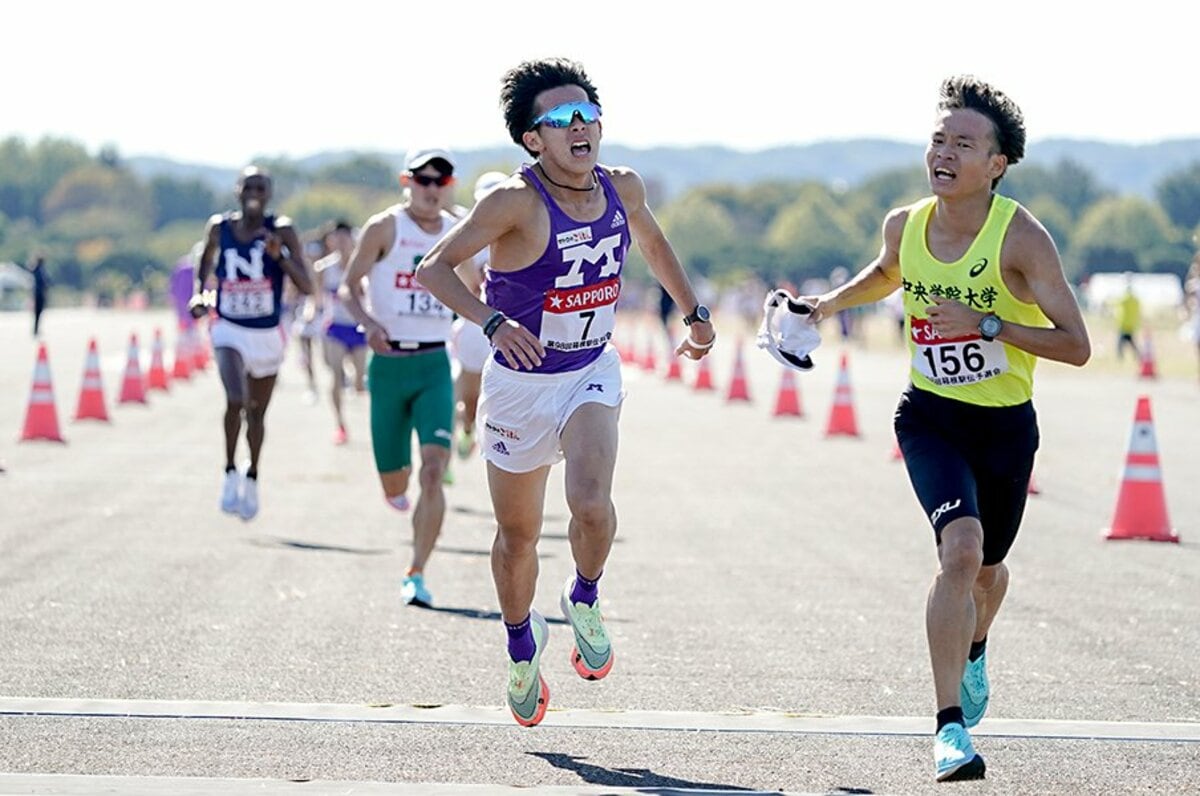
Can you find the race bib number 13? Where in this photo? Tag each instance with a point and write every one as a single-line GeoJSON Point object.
{"type": "Point", "coordinates": [947, 361]}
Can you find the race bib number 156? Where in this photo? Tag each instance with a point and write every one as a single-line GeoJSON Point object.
{"type": "Point", "coordinates": [949, 361]}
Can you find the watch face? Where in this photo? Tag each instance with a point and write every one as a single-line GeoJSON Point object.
{"type": "Point", "coordinates": [990, 326]}
{"type": "Point", "coordinates": [702, 314]}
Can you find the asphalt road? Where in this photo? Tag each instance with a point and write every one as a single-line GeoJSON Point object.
{"type": "Point", "coordinates": [765, 596]}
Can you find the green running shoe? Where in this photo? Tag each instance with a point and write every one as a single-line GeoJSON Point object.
{"type": "Point", "coordinates": [974, 691]}
{"type": "Point", "coordinates": [592, 655]}
{"type": "Point", "coordinates": [528, 694]}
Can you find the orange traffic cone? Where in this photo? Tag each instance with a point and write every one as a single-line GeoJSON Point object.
{"type": "Point", "coordinates": [787, 402]}
{"type": "Point", "coordinates": [1141, 505]}
{"type": "Point", "coordinates": [649, 362]}
{"type": "Point", "coordinates": [156, 379]}
{"type": "Point", "coordinates": [738, 389]}
{"type": "Point", "coordinates": [91, 395]}
{"type": "Point", "coordinates": [674, 369]}
{"type": "Point", "coordinates": [41, 418]}
{"type": "Point", "coordinates": [199, 342]}
{"type": "Point", "coordinates": [841, 416]}
{"type": "Point", "coordinates": [182, 370]}
{"type": "Point", "coordinates": [704, 380]}
{"type": "Point", "coordinates": [1148, 371]}
{"type": "Point", "coordinates": [133, 387]}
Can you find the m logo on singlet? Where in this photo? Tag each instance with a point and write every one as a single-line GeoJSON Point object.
{"type": "Point", "coordinates": [603, 251]}
{"type": "Point", "coordinates": [237, 266]}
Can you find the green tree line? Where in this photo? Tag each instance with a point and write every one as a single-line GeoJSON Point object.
{"type": "Point", "coordinates": [103, 228]}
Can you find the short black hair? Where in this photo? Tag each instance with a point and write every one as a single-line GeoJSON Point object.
{"type": "Point", "coordinates": [521, 85]}
{"type": "Point", "coordinates": [1008, 123]}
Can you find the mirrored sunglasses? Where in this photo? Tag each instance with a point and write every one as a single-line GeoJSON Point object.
{"type": "Point", "coordinates": [563, 115]}
{"type": "Point", "coordinates": [441, 180]}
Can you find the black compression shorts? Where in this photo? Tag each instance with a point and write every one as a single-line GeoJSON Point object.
{"type": "Point", "coordinates": [966, 460]}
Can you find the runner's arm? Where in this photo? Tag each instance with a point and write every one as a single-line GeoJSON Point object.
{"type": "Point", "coordinates": [878, 280]}
{"type": "Point", "coordinates": [294, 264]}
{"type": "Point", "coordinates": [663, 262]}
{"type": "Point", "coordinates": [367, 251]}
{"type": "Point", "coordinates": [197, 304]}
{"type": "Point", "coordinates": [490, 218]}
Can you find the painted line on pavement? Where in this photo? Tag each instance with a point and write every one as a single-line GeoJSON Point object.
{"type": "Point", "coordinates": [742, 721]}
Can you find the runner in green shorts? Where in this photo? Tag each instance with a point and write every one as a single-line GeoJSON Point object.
{"type": "Point", "coordinates": [409, 373]}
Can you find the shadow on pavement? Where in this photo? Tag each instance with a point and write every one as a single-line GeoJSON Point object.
{"type": "Point", "coordinates": [314, 547]}
{"type": "Point", "coordinates": [643, 779]}
{"type": "Point", "coordinates": [476, 613]}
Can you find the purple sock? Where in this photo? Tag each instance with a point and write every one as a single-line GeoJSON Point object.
{"type": "Point", "coordinates": [521, 644]}
{"type": "Point", "coordinates": [585, 591]}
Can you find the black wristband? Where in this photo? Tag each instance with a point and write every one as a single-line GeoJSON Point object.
{"type": "Point", "coordinates": [493, 323]}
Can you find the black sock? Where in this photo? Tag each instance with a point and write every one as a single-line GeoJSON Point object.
{"type": "Point", "coordinates": [229, 468]}
{"type": "Point", "coordinates": [252, 474]}
{"type": "Point", "coordinates": [950, 716]}
{"type": "Point", "coordinates": [977, 648]}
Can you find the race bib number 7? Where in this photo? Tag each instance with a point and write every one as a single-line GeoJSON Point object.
{"type": "Point", "coordinates": [951, 361]}
{"type": "Point", "coordinates": [243, 299]}
{"type": "Point", "coordinates": [581, 317]}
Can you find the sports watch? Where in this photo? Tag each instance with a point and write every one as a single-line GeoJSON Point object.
{"type": "Point", "coordinates": [990, 326]}
{"type": "Point", "coordinates": [699, 315]}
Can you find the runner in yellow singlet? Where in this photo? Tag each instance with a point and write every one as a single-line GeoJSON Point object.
{"type": "Point", "coordinates": [984, 298]}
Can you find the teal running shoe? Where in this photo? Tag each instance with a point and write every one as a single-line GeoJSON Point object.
{"type": "Point", "coordinates": [954, 755]}
{"type": "Point", "coordinates": [413, 591]}
{"type": "Point", "coordinates": [528, 694]}
{"type": "Point", "coordinates": [974, 690]}
{"type": "Point", "coordinates": [592, 655]}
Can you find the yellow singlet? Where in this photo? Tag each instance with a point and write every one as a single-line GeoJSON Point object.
{"type": "Point", "coordinates": [965, 368]}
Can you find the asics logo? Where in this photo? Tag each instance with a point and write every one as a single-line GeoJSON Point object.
{"type": "Point", "coordinates": [942, 509]}
{"type": "Point", "coordinates": [978, 267]}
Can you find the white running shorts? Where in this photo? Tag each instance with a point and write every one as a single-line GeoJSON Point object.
{"type": "Point", "coordinates": [470, 346]}
{"type": "Point", "coordinates": [522, 415]}
{"type": "Point", "coordinates": [262, 350]}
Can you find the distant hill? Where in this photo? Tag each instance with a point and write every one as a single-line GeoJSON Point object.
{"type": "Point", "coordinates": [1123, 168]}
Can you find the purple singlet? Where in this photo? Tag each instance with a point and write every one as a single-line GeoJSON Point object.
{"type": "Point", "coordinates": [568, 296]}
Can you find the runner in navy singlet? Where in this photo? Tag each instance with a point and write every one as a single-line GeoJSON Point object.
{"type": "Point", "coordinates": [558, 232]}
{"type": "Point", "coordinates": [249, 253]}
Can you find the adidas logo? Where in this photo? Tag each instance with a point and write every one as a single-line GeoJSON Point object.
{"type": "Point", "coordinates": [618, 220]}
{"type": "Point", "coordinates": [500, 447]}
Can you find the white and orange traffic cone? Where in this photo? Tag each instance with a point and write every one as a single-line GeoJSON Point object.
{"type": "Point", "coordinates": [156, 379]}
{"type": "Point", "coordinates": [787, 402]}
{"type": "Point", "coordinates": [133, 386]}
{"type": "Point", "coordinates": [91, 394]}
{"type": "Point", "coordinates": [704, 379]}
{"type": "Point", "coordinates": [842, 420]}
{"type": "Point", "coordinates": [1148, 371]}
{"type": "Point", "coordinates": [182, 369]}
{"type": "Point", "coordinates": [41, 418]}
{"type": "Point", "coordinates": [1141, 511]}
{"type": "Point", "coordinates": [738, 389]}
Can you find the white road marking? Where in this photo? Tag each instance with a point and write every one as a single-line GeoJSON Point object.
{"type": "Point", "coordinates": [743, 721]}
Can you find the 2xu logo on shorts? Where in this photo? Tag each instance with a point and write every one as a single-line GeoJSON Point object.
{"type": "Point", "coordinates": [942, 509]}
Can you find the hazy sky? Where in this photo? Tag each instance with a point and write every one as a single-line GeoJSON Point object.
{"type": "Point", "coordinates": [212, 83]}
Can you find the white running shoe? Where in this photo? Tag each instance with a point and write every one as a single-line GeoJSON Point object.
{"type": "Point", "coordinates": [249, 504]}
{"type": "Point", "coordinates": [230, 497]}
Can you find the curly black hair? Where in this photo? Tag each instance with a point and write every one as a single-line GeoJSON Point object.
{"type": "Point", "coordinates": [521, 85]}
{"type": "Point", "coordinates": [1008, 123]}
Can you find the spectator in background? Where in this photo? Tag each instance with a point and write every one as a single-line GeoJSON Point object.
{"type": "Point", "coordinates": [1191, 300]}
{"type": "Point", "coordinates": [1129, 320]}
{"type": "Point", "coordinates": [40, 283]}
{"type": "Point", "coordinates": [838, 277]}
